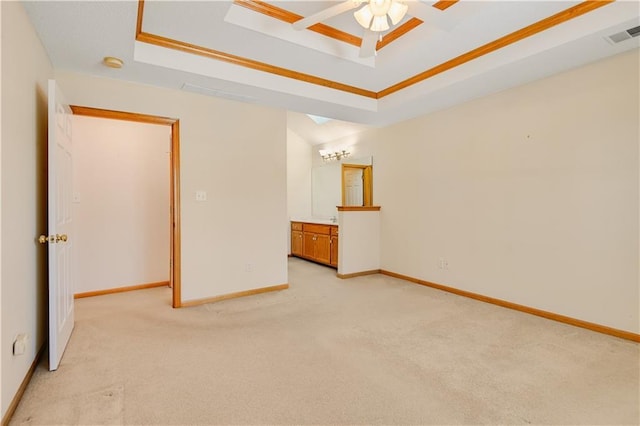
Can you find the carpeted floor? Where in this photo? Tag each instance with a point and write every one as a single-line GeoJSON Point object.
{"type": "Point", "coordinates": [368, 350]}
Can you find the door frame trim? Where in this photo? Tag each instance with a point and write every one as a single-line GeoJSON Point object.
{"type": "Point", "coordinates": [175, 238]}
{"type": "Point", "coordinates": [367, 183]}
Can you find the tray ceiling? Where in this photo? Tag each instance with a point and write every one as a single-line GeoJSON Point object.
{"type": "Point", "coordinates": [248, 50]}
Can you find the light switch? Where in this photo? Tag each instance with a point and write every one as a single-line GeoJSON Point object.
{"type": "Point", "coordinates": [201, 195]}
{"type": "Point", "coordinates": [20, 344]}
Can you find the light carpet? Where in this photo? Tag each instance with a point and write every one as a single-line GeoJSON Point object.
{"type": "Point", "coordinates": [367, 350]}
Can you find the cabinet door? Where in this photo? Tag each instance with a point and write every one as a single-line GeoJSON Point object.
{"type": "Point", "coordinates": [334, 250]}
{"type": "Point", "coordinates": [296, 243]}
{"type": "Point", "coordinates": [323, 248]}
{"type": "Point", "coordinates": [308, 245]}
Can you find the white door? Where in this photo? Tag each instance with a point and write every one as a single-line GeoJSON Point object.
{"type": "Point", "coordinates": [60, 237]}
{"type": "Point", "coordinates": [353, 187]}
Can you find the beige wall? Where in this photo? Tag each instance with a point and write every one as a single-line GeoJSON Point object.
{"type": "Point", "coordinates": [242, 168]}
{"type": "Point", "coordinates": [25, 70]}
{"type": "Point", "coordinates": [298, 179]}
{"type": "Point", "coordinates": [359, 242]}
{"type": "Point", "coordinates": [531, 194]}
{"type": "Point", "coordinates": [1, 339]}
{"type": "Point", "coordinates": [121, 203]}
{"type": "Point", "coordinates": [298, 175]}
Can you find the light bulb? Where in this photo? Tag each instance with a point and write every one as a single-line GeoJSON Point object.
{"type": "Point", "coordinates": [379, 7]}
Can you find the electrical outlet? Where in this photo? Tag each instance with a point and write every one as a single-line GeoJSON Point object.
{"type": "Point", "coordinates": [201, 195]}
{"type": "Point", "coordinates": [248, 267]}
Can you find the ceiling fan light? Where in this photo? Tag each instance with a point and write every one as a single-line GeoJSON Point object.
{"type": "Point", "coordinates": [380, 23]}
{"type": "Point", "coordinates": [397, 11]}
{"type": "Point", "coordinates": [364, 16]}
{"type": "Point", "coordinates": [380, 7]}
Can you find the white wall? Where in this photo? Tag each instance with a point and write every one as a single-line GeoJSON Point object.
{"type": "Point", "coordinates": [531, 194]}
{"type": "Point", "coordinates": [121, 203]}
{"type": "Point", "coordinates": [242, 168]}
{"type": "Point", "coordinates": [298, 179]}
{"type": "Point", "coordinates": [298, 175]}
{"type": "Point", "coordinates": [25, 70]}
{"type": "Point", "coordinates": [359, 242]}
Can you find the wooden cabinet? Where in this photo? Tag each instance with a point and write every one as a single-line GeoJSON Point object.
{"type": "Point", "coordinates": [296, 243]}
{"type": "Point", "coordinates": [316, 247]}
{"type": "Point", "coordinates": [334, 246]}
{"type": "Point", "coordinates": [296, 239]}
{"type": "Point", "coordinates": [315, 242]}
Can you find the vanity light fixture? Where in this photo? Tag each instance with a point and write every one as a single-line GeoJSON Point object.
{"type": "Point", "coordinates": [338, 154]}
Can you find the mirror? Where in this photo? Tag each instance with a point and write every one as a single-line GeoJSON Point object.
{"type": "Point", "coordinates": [325, 190]}
{"type": "Point", "coordinates": [326, 186]}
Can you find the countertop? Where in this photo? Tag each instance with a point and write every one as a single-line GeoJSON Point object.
{"type": "Point", "coordinates": [314, 220]}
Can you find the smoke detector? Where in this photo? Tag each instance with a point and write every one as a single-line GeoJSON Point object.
{"type": "Point", "coordinates": [112, 62]}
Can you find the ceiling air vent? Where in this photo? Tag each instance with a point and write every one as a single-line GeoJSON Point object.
{"type": "Point", "coordinates": [624, 35]}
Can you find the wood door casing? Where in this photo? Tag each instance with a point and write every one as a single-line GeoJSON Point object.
{"type": "Point", "coordinates": [175, 261]}
{"type": "Point", "coordinates": [352, 172]}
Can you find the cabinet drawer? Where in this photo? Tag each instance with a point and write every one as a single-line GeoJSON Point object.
{"type": "Point", "coordinates": [296, 226]}
{"type": "Point", "coordinates": [334, 230]}
{"type": "Point", "coordinates": [316, 229]}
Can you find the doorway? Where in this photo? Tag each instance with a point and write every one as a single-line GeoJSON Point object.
{"type": "Point", "coordinates": [356, 185]}
{"type": "Point", "coordinates": [174, 198]}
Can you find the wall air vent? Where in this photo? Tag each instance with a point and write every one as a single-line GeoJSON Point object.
{"type": "Point", "coordinates": [216, 92]}
{"type": "Point", "coordinates": [624, 35]}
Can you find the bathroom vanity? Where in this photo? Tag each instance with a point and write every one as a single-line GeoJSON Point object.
{"type": "Point", "coordinates": [316, 241]}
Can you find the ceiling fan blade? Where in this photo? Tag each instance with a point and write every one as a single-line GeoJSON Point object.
{"type": "Point", "coordinates": [368, 45]}
{"type": "Point", "coordinates": [431, 15]}
{"type": "Point", "coordinates": [327, 13]}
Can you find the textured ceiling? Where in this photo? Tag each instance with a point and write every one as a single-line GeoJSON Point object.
{"type": "Point", "coordinates": [226, 49]}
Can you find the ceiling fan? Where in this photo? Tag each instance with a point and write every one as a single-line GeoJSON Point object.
{"type": "Point", "coordinates": [374, 16]}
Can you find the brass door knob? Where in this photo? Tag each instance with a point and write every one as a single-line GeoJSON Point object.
{"type": "Point", "coordinates": [43, 239]}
